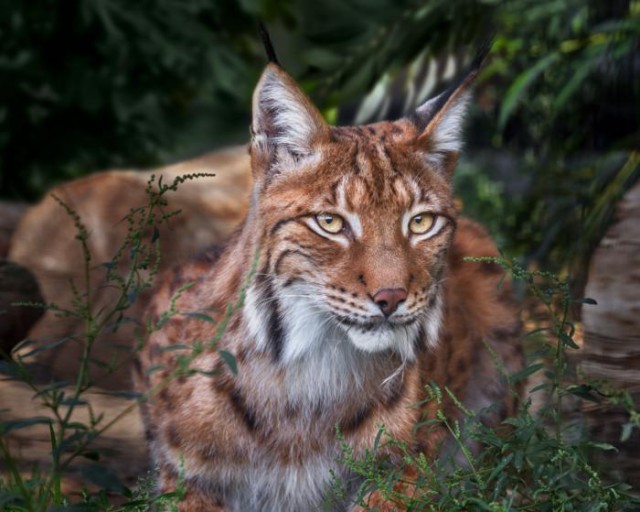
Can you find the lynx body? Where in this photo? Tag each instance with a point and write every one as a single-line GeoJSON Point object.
{"type": "Point", "coordinates": [353, 294]}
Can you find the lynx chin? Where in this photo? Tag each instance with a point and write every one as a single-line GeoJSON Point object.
{"type": "Point", "coordinates": [361, 297]}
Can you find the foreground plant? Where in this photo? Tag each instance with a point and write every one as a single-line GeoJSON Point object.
{"type": "Point", "coordinates": [72, 420]}
{"type": "Point", "coordinates": [539, 459]}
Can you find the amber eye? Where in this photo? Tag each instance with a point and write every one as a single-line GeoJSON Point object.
{"type": "Point", "coordinates": [421, 223]}
{"type": "Point", "coordinates": [330, 222]}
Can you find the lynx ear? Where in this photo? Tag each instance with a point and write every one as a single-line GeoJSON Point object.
{"type": "Point", "coordinates": [440, 121]}
{"type": "Point", "coordinates": [285, 122]}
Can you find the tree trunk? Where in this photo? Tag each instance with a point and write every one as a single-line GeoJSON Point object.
{"type": "Point", "coordinates": [612, 329]}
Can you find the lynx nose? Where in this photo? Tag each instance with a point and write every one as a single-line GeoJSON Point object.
{"type": "Point", "coordinates": [388, 299]}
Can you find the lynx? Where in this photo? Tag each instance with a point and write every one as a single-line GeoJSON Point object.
{"type": "Point", "coordinates": [353, 294]}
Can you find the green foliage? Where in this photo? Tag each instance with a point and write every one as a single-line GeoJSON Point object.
{"type": "Point", "coordinates": [569, 57]}
{"type": "Point", "coordinates": [569, 113]}
{"type": "Point", "coordinates": [351, 45]}
{"type": "Point", "coordinates": [94, 84]}
{"type": "Point", "coordinates": [90, 85]}
{"type": "Point", "coordinates": [537, 460]}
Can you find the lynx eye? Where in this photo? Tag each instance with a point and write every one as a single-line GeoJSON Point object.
{"type": "Point", "coordinates": [330, 222]}
{"type": "Point", "coordinates": [421, 223]}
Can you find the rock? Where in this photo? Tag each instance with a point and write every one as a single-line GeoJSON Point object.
{"type": "Point", "coordinates": [10, 214]}
{"type": "Point", "coordinates": [46, 250]}
{"type": "Point", "coordinates": [46, 243]}
{"type": "Point", "coordinates": [17, 284]}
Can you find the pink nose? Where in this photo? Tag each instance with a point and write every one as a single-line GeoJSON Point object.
{"type": "Point", "coordinates": [388, 299]}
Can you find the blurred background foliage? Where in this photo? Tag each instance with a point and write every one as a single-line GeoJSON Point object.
{"type": "Point", "coordinates": [553, 138]}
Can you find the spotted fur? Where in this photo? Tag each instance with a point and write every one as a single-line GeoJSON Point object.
{"type": "Point", "coordinates": [315, 346]}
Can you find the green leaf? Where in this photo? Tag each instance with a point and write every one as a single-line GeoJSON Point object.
{"type": "Point", "coordinates": [585, 391]}
{"type": "Point", "coordinates": [8, 426]}
{"type": "Point", "coordinates": [53, 439]}
{"type": "Point", "coordinates": [574, 84]}
{"type": "Point", "coordinates": [479, 504]}
{"type": "Point", "coordinates": [500, 467]}
{"type": "Point", "coordinates": [627, 429]}
{"type": "Point", "coordinates": [201, 316]}
{"type": "Point", "coordinates": [544, 385]}
{"type": "Point", "coordinates": [520, 85]}
{"type": "Point", "coordinates": [155, 368]}
{"type": "Point", "coordinates": [523, 374]}
{"type": "Point", "coordinates": [129, 395]}
{"type": "Point", "coordinates": [45, 347]}
{"type": "Point", "coordinates": [230, 359]}
{"type": "Point", "coordinates": [174, 347]}
{"type": "Point", "coordinates": [568, 341]}
{"type": "Point", "coordinates": [604, 446]}
{"type": "Point", "coordinates": [376, 443]}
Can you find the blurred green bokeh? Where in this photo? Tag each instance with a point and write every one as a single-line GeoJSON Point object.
{"type": "Point", "coordinates": [553, 138]}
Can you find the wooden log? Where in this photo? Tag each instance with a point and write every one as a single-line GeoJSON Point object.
{"type": "Point", "coordinates": [612, 329]}
{"type": "Point", "coordinates": [122, 448]}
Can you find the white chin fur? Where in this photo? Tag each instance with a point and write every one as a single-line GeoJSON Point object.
{"type": "Point", "coordinates": [400, 340]}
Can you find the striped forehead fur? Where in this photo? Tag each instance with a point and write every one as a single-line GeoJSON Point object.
{"type": "Point", "coordinates": [377, 172]}
{"type": "Point", "coordinates": [346, 205]}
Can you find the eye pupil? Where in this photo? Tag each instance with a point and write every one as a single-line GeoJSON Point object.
{"type": "Point", "coordinates": [421, 223]}
{"type": "Point", "coordinates": [329, 222]}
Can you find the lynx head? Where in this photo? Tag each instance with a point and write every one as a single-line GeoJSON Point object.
{"type": "Point", "coordinates": [354, 222]}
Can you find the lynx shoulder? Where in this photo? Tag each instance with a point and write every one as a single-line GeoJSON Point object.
{"type": "Point", "coordinates": [353, 293]}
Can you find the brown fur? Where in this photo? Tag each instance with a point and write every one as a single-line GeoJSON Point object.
{"type": "Point", "coordinates": [266, 438]}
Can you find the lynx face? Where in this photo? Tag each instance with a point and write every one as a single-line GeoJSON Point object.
{"type": "Point", "coordinates": [356, 222]}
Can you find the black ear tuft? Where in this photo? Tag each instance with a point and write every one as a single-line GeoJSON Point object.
{"type": "Point", "coordinates": [430, 109]}
{"type": "Point", "coordinates": [439, 121]}
{"type": "Point", "coordinates": [268, 45]}
{"type": "Point", "coordinates": [481, 55]}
